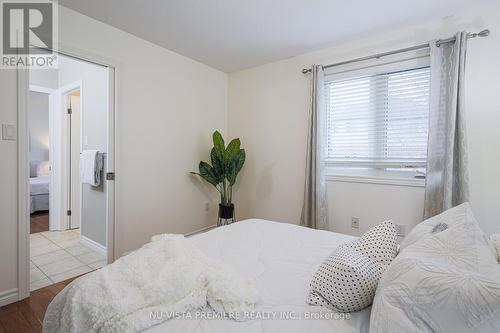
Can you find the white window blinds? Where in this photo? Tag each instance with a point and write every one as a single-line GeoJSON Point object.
{"type": "Point", "coordinates": [379, 120]}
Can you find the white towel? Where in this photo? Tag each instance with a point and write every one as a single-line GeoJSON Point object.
{"type": "Point", "coordinates": [90, 167]}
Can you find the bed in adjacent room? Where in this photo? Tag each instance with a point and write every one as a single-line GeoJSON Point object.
{"type": "Point", "coordinates": [39, 193]}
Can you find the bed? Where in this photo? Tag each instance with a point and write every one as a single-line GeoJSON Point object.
{"type": "Point", "coordinates": [280, 259]}
{"type": "Point", "coordinates": [443, 279]}
{"type": "Point", "coordinates": [39, 193]}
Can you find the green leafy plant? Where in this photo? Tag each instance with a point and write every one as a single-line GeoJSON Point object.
{"type": "Point", "coordinates": [226, 164]}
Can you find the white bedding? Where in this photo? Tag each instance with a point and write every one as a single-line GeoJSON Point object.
{"type": "Point", "coordinates": [39, 193]}
{"type": "Point", "coordinates": [39, 185]}
{"type": "Point", "coordinates": [169, 274]}
{"type": "Point", "coordinates": [280, 259]}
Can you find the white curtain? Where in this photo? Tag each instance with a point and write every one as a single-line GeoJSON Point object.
{"type": "Point", "coordinates": [314, 208]}
{"type": "Point", "coordinates": [447, 182]}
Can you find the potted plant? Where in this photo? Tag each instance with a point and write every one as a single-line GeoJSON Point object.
{"type": "Point", "coordinates": [226, 164]}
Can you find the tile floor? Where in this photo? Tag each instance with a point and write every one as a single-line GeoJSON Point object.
{"type": "Point", "coordinates": [58, 255]}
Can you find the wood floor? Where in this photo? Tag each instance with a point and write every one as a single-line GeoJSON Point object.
{"type": "Point", "coordinates": [39, 222]}
{"type": "Point", "coordinates": [27, 315]}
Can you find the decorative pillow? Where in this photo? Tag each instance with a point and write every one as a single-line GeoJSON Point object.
{"type": "Point", "coordinates": [438, 223]}
{"type": "Point", "coordinates": [347, 280]}
{"type": "Point", "coordinates": [34, 169]}
{"type": "Point", "coordinates": [446, 282]}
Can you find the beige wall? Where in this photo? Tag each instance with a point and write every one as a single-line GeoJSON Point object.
{"type": "Point", "coordinates": [167, 107]}
{"type": "Point", "coordinates": [268, 109]}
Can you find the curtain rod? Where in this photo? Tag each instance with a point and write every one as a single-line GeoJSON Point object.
{"type": "Point", "coordinates": [482, 33]}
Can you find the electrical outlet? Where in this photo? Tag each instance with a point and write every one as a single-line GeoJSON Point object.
{"type": "Point", "coordinates": [355, 222]}
{"type": "Point", "coordinates": [400, 230]}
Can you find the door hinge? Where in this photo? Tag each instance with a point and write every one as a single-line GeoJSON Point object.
{"type": "Point", "coordinates": [70, 111]}
{"type": "Point", "coordinates": [69, 212]}
{"type": "Point", "coordinates": [110, 176]}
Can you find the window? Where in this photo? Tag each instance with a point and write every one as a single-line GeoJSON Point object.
{"type": "Point", "coordinates": [378, 119]}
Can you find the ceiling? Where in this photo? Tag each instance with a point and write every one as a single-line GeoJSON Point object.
{"type": "Point", "coordinates": [231, 35]}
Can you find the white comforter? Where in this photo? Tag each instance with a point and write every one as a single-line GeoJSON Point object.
{"type": "Point", "coordinates": [280, 260]}
{"type": "Point", "coordinates": [168, 275]}
{"type": "Point", "coordinates": [39, 185]}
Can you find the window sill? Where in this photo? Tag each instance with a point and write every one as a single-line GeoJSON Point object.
{"type": "Point", "coordinates": [376, 179]}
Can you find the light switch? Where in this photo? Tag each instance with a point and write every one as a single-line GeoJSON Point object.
{"type": "Point", "coordinates": [9, 132]}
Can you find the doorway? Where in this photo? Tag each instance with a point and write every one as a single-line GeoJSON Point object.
{"type": "Point", "coordinates": [39, 101]}
{"type": "Point", "coordinates": [70, 235]}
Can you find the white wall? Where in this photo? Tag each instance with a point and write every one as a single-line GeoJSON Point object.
{"type": "Point", "coordinates": [94, 98]}
{"type": "Point", "coordinates": [372, 203]}
{"type": "Point", "coordinates": [268, 108]}
{"type": "Point", "coordinates": [38, 126]}
{"type": "Point", "coordinates": [47, 78]}
{"type": "Point", "coordinates": [167, 108]}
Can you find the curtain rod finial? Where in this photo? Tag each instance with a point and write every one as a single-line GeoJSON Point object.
{"type": "Point", "coordinates": [484, 33]}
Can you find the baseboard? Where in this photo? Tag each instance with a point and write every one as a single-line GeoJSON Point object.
{"type": "Point", "coordinates": [199, 231]}
{"type": "Point", "coordinates": [9, 296]}
{"type": "Point", "coordinates": [93, 245]}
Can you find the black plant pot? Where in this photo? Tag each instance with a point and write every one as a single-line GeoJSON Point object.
{"type": "Point", "coordinates": [226, 214]}
{"type": "Point", "coordinates": [226, 211]}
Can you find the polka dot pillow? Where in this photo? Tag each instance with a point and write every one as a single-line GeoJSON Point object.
{"type": "Point", "coordinates": [347, 280]}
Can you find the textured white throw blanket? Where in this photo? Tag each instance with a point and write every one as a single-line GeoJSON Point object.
{"type": "Point", "coordinates": [167, 275]}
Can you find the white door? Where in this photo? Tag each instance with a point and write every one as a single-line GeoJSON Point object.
{"type": "Point", "coordinates": [75, 142]}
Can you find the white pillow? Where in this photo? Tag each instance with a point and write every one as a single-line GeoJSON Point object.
{"type": "Point", "coordinates": [438, 223]}
{"type": "Point", "coordinates": [34, 169]}
{"type": "Point", "coordinates": [446, 282]}
{"type": "Point", "coordinates": [346, 281]}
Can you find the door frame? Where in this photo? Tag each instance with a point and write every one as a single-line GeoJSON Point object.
{"type": "Point", "coordinates": [64, 92]}
{"type": "Point", "coordinates": [23, 210]}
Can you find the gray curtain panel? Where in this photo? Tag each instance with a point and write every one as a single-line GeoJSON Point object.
{"type": "Point", "coordinates": [314, 209]}
{"type": "Point", "coordinates": [447, 181]}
